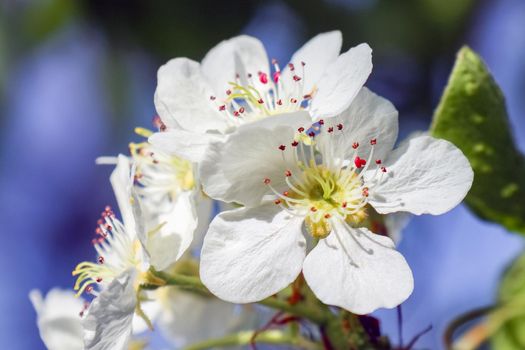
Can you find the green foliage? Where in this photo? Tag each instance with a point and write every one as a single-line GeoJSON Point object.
{"type": "Point", "coordinates": [472, 115]}
{"type": "Point", "coordinates": [511, 334]}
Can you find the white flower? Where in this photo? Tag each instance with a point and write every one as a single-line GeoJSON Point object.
{"type": "Point", "coordinates": [234, 85]}
{"type": "Point", "coordinates": [124, 256]}
{"type": "Point", "coordinates": [325, 181]}
{"type": "Point", "coordinates": [58, 319]}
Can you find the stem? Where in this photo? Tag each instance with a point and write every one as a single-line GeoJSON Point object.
{"type": "Point", "coordinates": [194, 284]}
{"type": "Point", "coordinates": [245, 338]}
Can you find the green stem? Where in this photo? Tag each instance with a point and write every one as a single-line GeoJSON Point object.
{"type": "Point", "coordinates": [194, 284]}
{"type": "Point", "coordinates": [245, 338]}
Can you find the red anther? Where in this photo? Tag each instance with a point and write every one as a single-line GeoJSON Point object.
{"type": "Point", "coordinates": [155, 161]}
{"type": "Point", "coordinates": [100, 222]}
{"type": "Point", "coordinates": [313, 209]}
{"type": "Point", "coordinates": [339, 126]}
{"type": "Point", "coordinates": [263, 78]}
{"type": "Point", "coordinates": [311, 134]}
{"type": "Point", "coordinates": [249, 75]}
{"type": "Point", "coordinates": [222, 108]}
{"type": "Point", "coordinates": [383, 169]}
{"type": "Point", "coordinates": [280, 102]}
{"type": "Point", "coordinates": [107, 209]}
{"type": "Point", "coordinates": [94, 241]}
{"type": "Point", "coordinates": [81, 313]}
{"type": "Point", "coordinates": [277, 201]}
{"type": "Point", "coordinates": [291, 66]}
{"type": "Point", "coordinates": [327, 216]}
{"type": "Point", "coordinates": [212, 98]}
{"type": "Point", "coordinates": [355, 145]}
{"type": "Point", "coordinates": [99, 279]}
{"type": "Point", "coordinates": [228, 92]}
{"type": "Point", "coordinates": [260, 101]}
{"type": "Point", "coordinates": [295, 143]}
{"type": "Point", "coordinates": [282, 147]}
{"type": "Point", "coordinates": [296, 78]}
{"type": "Point", "coordinates": [301, 129]}
{"type": "Point", "coordinates": [365, 192]}
{"type": "Point", "coordinates": [162, 127]}
{"type": "Point", "coordinates": [359, 162]}
{"type": "Point", "coordinates": [267, 181]}
{"type": "Point", "coordinates": [89, 289]}
{"type": "Point", "coordinates": [307, 96]}
{"type": "Point", "coordinates": [288, 173]}
{"type": "Point", "coordinates": [241, 110]}
{"type": "Point", "coordinates": [293, 100]}
{"type": "Point", "coordinates": [98, 231]}
{"type": "Point", "coordinates": [331, 129]}
{"type": "Point", "coordinates": [303, 64]}
{"type": "Point", "coordinates": [274, 61]}
{"type": "Point", "coordinates": [100, 260]}
{"type": "Point", "coordinates": [276, 76]}
{"type": "Point", "coordinates": [321, 122]}
{"type": "Point", "coordinates": [236, 114]}
{"type": "Point", "coordinates": [344, 204]}
{"type": "Point", "coordinates": [373, 142]}
{"type": "Point", "coordinates": [286, 194]}
{"type": "Point", "coordinates": [378, 161]}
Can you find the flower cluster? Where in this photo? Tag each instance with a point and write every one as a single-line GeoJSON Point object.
{"type": "Point", "coordinates": [304, 159]}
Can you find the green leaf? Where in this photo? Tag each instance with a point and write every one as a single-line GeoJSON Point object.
{"type": "Point", "coordinates": [511, 335]}
{"type": "Point", "coordinates": [473, 116]}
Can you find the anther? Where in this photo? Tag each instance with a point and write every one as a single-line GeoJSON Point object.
{"type": "Point", "coordinates": [228, 92]}
{"type": "Point", "coordinates": [286, 194]}
{"type": "Point", "coordinates": [222, 108]}
{"type": "Point", "coordinates": [277, 201]}
{"type": "Point", "coordinates": [303, 64]}
{"type": "Point", "coordinates": [236, 113]}
{"type": "Point", "coordinates": [212, 98]}
{"type": "Point", "coordinates": [274, 61]}
{"type": "Point", "coordinates": [260, 101]}
{"type": "Point", "coordinates": [291, 66]}
{"type": "Point", "coordinates": [296, 78]}
{"type": "Point", "coordinates": [355, 145]}
{"type": "Point", "coordinates": [301, 129]}
{"type": "Point", "coordinates": [99, 279]}
{"type": "Point", "coordinates": [339, 126]}
{"type": "Point", "coordinates": [293, 100]}
{"type": "Point", "coordinates": [307, 96]}
{"type": "Point", "coordinates": [321, 122]}
{"type": "Point", "coordinates": [359, 162]}
{"type": "Point", "coordinates": [365, 191]}
{"type": "Point", "coordinates": [383, 169]}
{"type": "Point", "coordinates": [288, 173]}
{"type": "Point", "coordinates": [327, 216]}
{"type": "Point", "coordinates": [311, 134]}
{"type": "Point", "coordinates": [373, 142]}
{"type": "Point", "coordinates": [241, 110]}
{"type": "Point", "coordinates": [280, 102]}
{"type": "Point", "coordinates": [263, 78]}
{"type": "Point", "coordinates": [295, 143]}
{"type": "Point", "coordinates": [89, 289]}
{"type": "Point", "coordinates": [100, 260]}
{"type": "Point", "coordinates": [276, 76]}
{"type": "Point", "coordinates": [331, 129]}
{"type": "Point", "coordinates": [282, 147]}
{"type": "Point", "coordinates": [378, 161]}
{"type": "Point", "coordinates": [313, 209]}
{"type": "Point", "coordinates": [267, 181]}
{"type": "Point", "coordinates": [344, 204]}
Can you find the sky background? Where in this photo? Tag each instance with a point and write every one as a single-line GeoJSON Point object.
{"type": "Point", "coordinates": [77, 77]}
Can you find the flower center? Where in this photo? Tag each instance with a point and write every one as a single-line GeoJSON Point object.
{"type": "Point", "coordinates": [256, 96]}
{"type": "Point", "coordinates": [321, 187]}
{"type": "Point", "coordinates": [116, 250]}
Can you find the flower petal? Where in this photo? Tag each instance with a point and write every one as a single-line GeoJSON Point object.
{"type": "Point", "coordinates": [341, 273]}
{"type": "Point", "coordinates": [424, 176]}
{"type": "Point", "coordinates": [234, 171]}
{"type": "Point", "coordinates": [317, 54]}
{"type": "Point", "coordinates": [368, 117]}
{"type": "Point", "coordinates": [58, 319]}
{"type": "Point", "coordinates": [107, 326]}
{"type": "Point", "coordinates": [239, 55]}
{"type": "Point", "coordinates": [175, 234]}
{"type": "Point", "coordinates": [251, 254]}
{"type": "Point", "coordinates": [182, 98]}
{"type": "Point", "coordinates": [341, 82]}
{"type": "Point", "coordinates": [185, 144]}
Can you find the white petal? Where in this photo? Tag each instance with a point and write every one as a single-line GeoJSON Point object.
{"type": "Point", "coordinates": [182, 98]}
{"type": "Point", "coordinates": [58, 319]}
{"type": "Point", "coordinates": [189, 318]}
{"type": "Point", "coordinates": [251, 254]}
{"type": "Point", "coordinates": [122, 183]}
{"type": "Point", "coordinates": [234, 171]}
{"type": "Point", "coordinates": [317, 54]}
{"type": "Point", "coordinates": [377, 280]}
{"type": "Point", "coordinates": [341, 82]}
{"type": "Point", "coordinates": [239, 55]}
{"type": "Point", "coordinates": [368, 117]}
{"type": "Point", "coordinates": [424, 176]}
{"type": "Point", "coordinates": [107, 326]}
{"type": "Point", "coordinates": [169, 243]}
{"type": "Point", "coordinates": [205, 213]}
{"type": "Point", "coordinates": [185, 144]}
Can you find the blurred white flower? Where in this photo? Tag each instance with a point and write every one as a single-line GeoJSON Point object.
{"type": "Point", "coordinates": [59, 319]}
{"type": "Point", "coordinates": [323, 179]}
{"type": "Point", "coordinates": [234, 85]}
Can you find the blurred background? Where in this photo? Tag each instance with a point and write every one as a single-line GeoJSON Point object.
{"type": "Point", "coordinates": [77, 76]}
